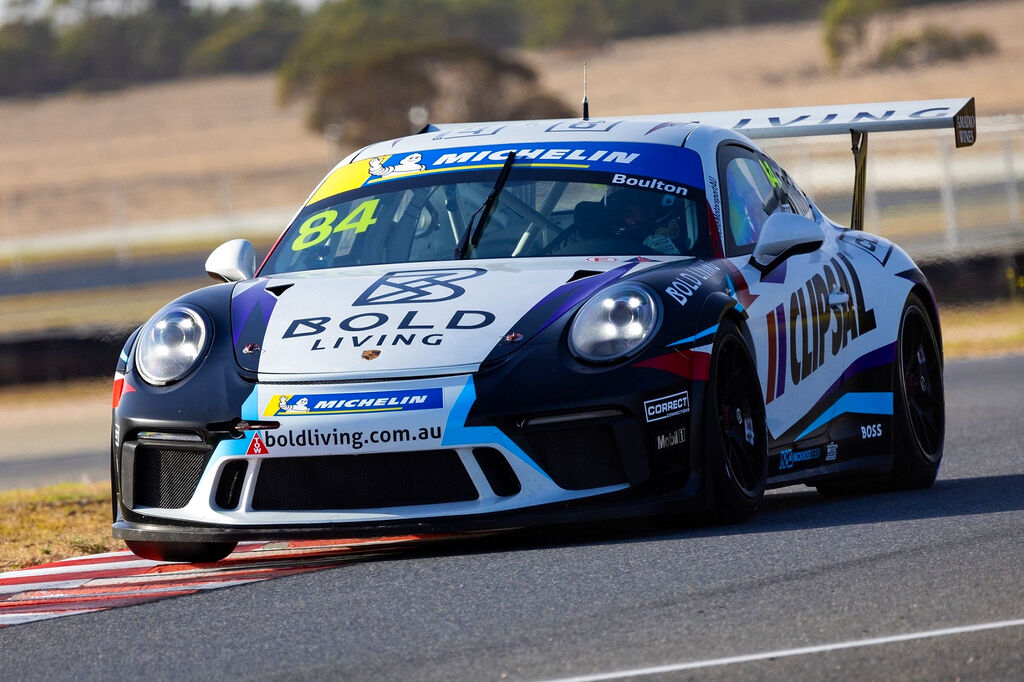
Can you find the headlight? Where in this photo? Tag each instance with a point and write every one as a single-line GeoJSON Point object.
{"type": "Point", "coordinates": [170, 344]}
{"type": "Point", "coordinates": [615, 322]}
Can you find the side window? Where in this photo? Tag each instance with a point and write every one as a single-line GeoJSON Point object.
{"type": "Point", "coordinates": [794, 198]}
{"type": "Point", "coordinates": [748, 200]}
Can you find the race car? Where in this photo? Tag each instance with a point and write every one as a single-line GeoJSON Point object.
{"type": "Point", "coordinates": [500, 325]}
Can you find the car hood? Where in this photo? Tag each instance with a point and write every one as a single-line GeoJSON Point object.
{"type": "Point", "coordinates": [408, 320]}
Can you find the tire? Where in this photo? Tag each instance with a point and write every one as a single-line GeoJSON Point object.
{"type": "Point", "coordinates": [188, 552]}
{"type": "Point", "coordinates": [735, 431]}
{"type": "Point", "coordinates": [919, 408]}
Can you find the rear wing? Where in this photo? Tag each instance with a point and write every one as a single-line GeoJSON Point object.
{"type": "Point", "coordinates": [856, 119]}
{"type": "Point", "coordinates": [840, 119]}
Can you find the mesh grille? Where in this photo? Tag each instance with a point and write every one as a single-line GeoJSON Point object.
{"type": "Point", "coordinates": [370, 481]}
{"type": "Point", "coordinates": [166, 477]}
{"type": "Point", "coordinates": [579, 457]}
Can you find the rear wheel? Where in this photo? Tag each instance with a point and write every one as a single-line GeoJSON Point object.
{"type": "Point", "coordinates": [919, 407]}
{"type": "Point", "coordinates": [190, 552]}
{"type": "Point", "coordinates": [919, 416]}
{"type": "Point", "coordinates": [735, 433]}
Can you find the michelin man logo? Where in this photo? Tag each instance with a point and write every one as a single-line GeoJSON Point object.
{"type": "Point", "coordinates": [410, 164]}
{"type": "Point", "coordinates": [301, 405]}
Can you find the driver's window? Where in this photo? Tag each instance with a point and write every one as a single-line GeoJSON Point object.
{"type": "Point", "coordinates": [749, 200]}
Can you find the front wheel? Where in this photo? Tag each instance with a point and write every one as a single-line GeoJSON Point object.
{"type": "Point", "coordinates": [188, 552]}
{"type": "Point", "coordinates": [736, 436]}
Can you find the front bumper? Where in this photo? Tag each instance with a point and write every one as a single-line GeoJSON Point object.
{"type": "Point", "coordinates": [363, 472]}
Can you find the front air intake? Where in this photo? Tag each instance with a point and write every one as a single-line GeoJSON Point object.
{"type": "Point", "coordinates": [370, 481]}
{"type": "Point", "coordinates": [167, 477]}
{"type": "Point", "coordinates": [578, 457]}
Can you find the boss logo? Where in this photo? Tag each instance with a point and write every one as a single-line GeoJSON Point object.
{"type": "Point", "coordinates": [871, 431]}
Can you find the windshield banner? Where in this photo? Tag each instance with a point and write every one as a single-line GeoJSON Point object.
{"type": "Point", "coordinates": [655, 166]}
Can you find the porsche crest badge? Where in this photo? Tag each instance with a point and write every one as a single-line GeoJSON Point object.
{"type": "Point", "coordinates": [371, 354]}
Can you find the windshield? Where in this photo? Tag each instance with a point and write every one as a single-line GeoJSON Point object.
{"type": "Point", "coordinates": [538, 212]}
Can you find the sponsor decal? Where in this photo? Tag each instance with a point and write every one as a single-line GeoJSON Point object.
{"type": "Point", "coordinates": [413, 328]}
{"type": "Point", "coordinates": [480, 131]}
{"type": "Point", "coordinates": [813, 338]}
{"type": "Point", "coordinates": [648, 183]}
{"type": "Point", "coordinates": [590, 125]}
{"type": "Point", "coordinates": [417, 286]}
{"type": "Point", "coordinates": [831, 452]}
{"type": "Point", "coordinates": [789, 457]}
{"type": "Point", "coordinates": [680, 167]}
{"type": "Point", "coordinates": [672, 439]}
{"type": "Point", "coordinates": [577, 155]}
{"type": "Point", "coordinates": [688, 281]}
{"type": "Point", "coordinates": [775, 386]}
{"type": "Point", "coordinates": [602, 259]}
{"type": "Point", "coordinates": [868, 243]}
{"type": "Point", "coordinates": [352, 440]}
{"type": "Point", "coordinates": [409, 164]}
{"type": "Point", "coordinates": [871, 431]}
{"type": "Point", "coordinates": [354, 403]}
{"type": "Point", "coordinates": [257, 446]}
{"type": "Point", "coordinates": [669, 406]}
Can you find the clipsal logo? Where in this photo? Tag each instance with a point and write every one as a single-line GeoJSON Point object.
{"type": "Point", "coordinates": [354, 403]}
{"type": "Point", "coordinates": [669, 406]}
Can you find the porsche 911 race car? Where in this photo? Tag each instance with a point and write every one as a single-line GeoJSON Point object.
{"type": "Point", "coordinates": [498, 325]}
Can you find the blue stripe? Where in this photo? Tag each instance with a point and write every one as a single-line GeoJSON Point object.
{"type": "Point", "coordinates": [457, 433]}
{"type": "Point", "coordinates": [857, 403]}
{"type": "Point", "coordinates": [710, 331]}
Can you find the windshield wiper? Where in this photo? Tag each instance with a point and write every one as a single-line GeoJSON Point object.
{"type": "Point", "coordinates": [471, 237]}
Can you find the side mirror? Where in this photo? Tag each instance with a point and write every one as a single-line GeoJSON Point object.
{"type": "Point", "coordinates": [783, 235]}
{"type": "Point", "coordinates": [232, 261]}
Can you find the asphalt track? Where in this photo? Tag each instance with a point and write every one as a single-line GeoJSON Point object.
{"type": "Point", "coordinates": [916, 585]}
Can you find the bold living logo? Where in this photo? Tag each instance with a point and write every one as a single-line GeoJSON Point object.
{"type": "Point", "coordinates": [417, 286]}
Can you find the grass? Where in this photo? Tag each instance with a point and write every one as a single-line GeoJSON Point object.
{"type": "Point", "coordinates": [47, 524]}
{"type": "Point", "coordinates": [985, 329]}
{"type": "Point", "coordinates": [108, 307]}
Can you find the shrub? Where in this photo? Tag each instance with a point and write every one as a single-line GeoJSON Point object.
{"type": "Point", "coordinates": [933, 44]}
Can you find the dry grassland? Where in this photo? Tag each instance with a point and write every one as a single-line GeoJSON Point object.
{"type": "Point", "coordinates": [52, 523]}
{"type": "Point", "coordinates": [783, 65]}
{"type": "Point", "coordinates": [223, 144]}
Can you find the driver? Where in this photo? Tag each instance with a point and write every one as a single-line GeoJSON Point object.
{"type": "Point", "coordinates": [636, 215]}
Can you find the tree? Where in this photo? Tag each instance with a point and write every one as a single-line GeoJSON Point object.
{"type": "Point", "coordinates": [845, 25]}
{"type": "Point", "coordinates": [454, 82]}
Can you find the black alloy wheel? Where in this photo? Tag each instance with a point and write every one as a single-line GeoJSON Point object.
{"type": "Point", "coordinates": [919, 400]}
{"type": "Point", "coordinates": [736, 433]}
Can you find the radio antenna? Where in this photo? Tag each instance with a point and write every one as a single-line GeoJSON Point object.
{"type": "Point", "coordinates": [586, 104]}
